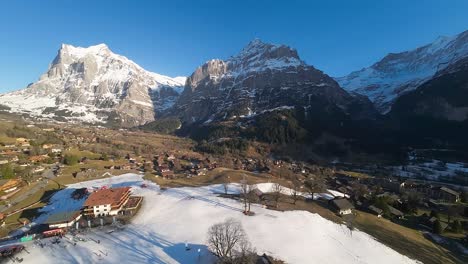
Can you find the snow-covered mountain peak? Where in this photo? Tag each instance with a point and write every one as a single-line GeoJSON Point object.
{"type": "Point", "coordinates": [261, 77]}
{"type": "Point", "coordinates": [96, 80]}
{"type": "Point", "coordinates": [256, 57]}
{"type": "Point", "coordinates": [80, 52]}
{"type": "Point", "coordinates": [257, 50]}
{"type": "Point", "coordinates": [398, 73]}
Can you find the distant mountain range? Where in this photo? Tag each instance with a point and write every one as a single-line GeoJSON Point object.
{"type": "Point", "coordinates": [399, 73]}
{"type": "Point", "coordinates": [424, 87]}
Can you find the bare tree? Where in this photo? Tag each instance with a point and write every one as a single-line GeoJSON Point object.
{"type": "Point", "coordinates": [244, 193]}
{"type": "Point", "coordinates": [276, 189]}
{"type": "Point", "coordinates": [315, 185]}
{"type": "Point", "coordinates": [295, 187]}
{"type": "Point", "coordinates": [226, 185]}
{"type": "Point", "coordinates": [229, 242]}
{"type": "Point", "coordinates": [250, 195]}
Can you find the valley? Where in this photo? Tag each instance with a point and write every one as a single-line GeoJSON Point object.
{"type": "Point", "coordinates": [103, 160]}
{"type": "Point", "coordinates": [98, 154]}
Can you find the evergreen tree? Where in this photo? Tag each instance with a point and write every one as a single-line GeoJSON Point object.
{"type": "Point", "coordinates": [437, 228]}
{"type": "Point", "coordinates": [457, 227]}
{"type": "Point", "coordinates": [7, 171]}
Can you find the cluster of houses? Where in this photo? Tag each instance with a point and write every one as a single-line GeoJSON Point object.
{"type": "Point", "coordinates": [103, 205]}
{"type": "Point", "coordinates": [10, 153]}
{"type": "Point", "coordinates": [361, 192]}
{"type": "Point", "coordinates": [168, 165]}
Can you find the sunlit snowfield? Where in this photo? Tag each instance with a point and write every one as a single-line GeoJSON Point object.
{"type": "Point", "coordinates": [169, 219]}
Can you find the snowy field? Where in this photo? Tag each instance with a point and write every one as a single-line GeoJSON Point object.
{"type": "Point", "coordinates": [169, 219]}
{"type": "Point", "coordinates": [432, 170]}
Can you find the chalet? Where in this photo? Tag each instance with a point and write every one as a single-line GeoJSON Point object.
{"type": "Point", "coordinates": [448, 195]}
{"type": "Point", "coordinates": [38, 158]}
{"type": "Point", "coordinates": [395, 212]}
{"type": "Point", "coordinates": [165, 171]}
{"type": "Point", "coordinates": [375, 210]}
{"type": "Point", "coordinates": [106, 201]}
{"type": "Point", "coordinates": [63, 219]}
{"type": "Point", "coordinates": [342, 206]}
{"type": "Point", "coordinates": [7, 186]}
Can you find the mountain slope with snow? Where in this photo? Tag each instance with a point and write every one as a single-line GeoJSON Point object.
{"type": "Point", "coordinates": [399, 73]}
{"type": "Point", "coordinates": [169, 219]}
{"type": "Point", "coordinates": [260, 78]}
{"type": "Point", "coordinates": [96, 85]}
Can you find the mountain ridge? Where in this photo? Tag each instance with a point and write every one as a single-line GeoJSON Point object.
{"type": "Point", "coordinates": [95, 85]}
{"type": "Point", "coordinates": [399, 73]}
{"type": "Point", "coordinates": [259, 78]}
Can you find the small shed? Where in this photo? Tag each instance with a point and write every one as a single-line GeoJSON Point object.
{"type": "Point", "coordinates": [395, 212]}
{"type": "Point", "coordinates": [343, 206]}
{"type": "Point", "coordinates": [375, 210]}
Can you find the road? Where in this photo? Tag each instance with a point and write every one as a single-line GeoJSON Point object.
{"type": "Point", "coordinates": [37, 186]}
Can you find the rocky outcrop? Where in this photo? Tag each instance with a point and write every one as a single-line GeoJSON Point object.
{"type": "Point", "coordinates": [262, 77]}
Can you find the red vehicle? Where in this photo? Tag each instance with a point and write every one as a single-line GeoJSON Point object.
{"type": "Point", "coordinates": [10, 250]}
{"type": "Point", "coordinates": [53, 232]}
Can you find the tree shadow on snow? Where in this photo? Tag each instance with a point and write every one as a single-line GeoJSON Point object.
{"type": "Point", "coordinates": [143, 243]}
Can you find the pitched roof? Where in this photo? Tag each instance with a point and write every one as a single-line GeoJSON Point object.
{"type": "Point", "coordinates": [375, 209]}
{"type": "Point", "coordinates": [106, 196]}
{"type": "Point", "coordinates": [447, 190]}
{"type": "Point", "coordinates": [62, 217]}
{"type": "Point", "coordinates": [343, 204]}
{"type": "Point", "coordinates": [395, 211]}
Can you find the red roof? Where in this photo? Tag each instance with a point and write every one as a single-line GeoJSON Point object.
{"type": "Point", "coordinates": [107, 196]}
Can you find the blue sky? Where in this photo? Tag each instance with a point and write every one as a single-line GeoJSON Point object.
{"type": "Point", "coordinates": [174, 37]}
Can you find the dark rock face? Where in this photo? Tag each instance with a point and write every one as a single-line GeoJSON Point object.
{"type": "Point", "coordinates": [262, 77]}
{"type": "Point", "coordinates": [443, 97]}
{"type": "Point", "coordinates": [437, 111]}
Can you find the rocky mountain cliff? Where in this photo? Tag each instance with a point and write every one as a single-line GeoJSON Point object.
{"type": "Point", "coordinates": [95, 85]}
{"type": "Point", "coordinates": [436, 113]}
{"type": "Point", "coordinates": [399, 73]}
{"type": "Point", "coordinates": [263, 77]}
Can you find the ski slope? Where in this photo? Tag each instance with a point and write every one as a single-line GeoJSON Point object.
{"type": "Point", "coordinates": [170, 218]}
